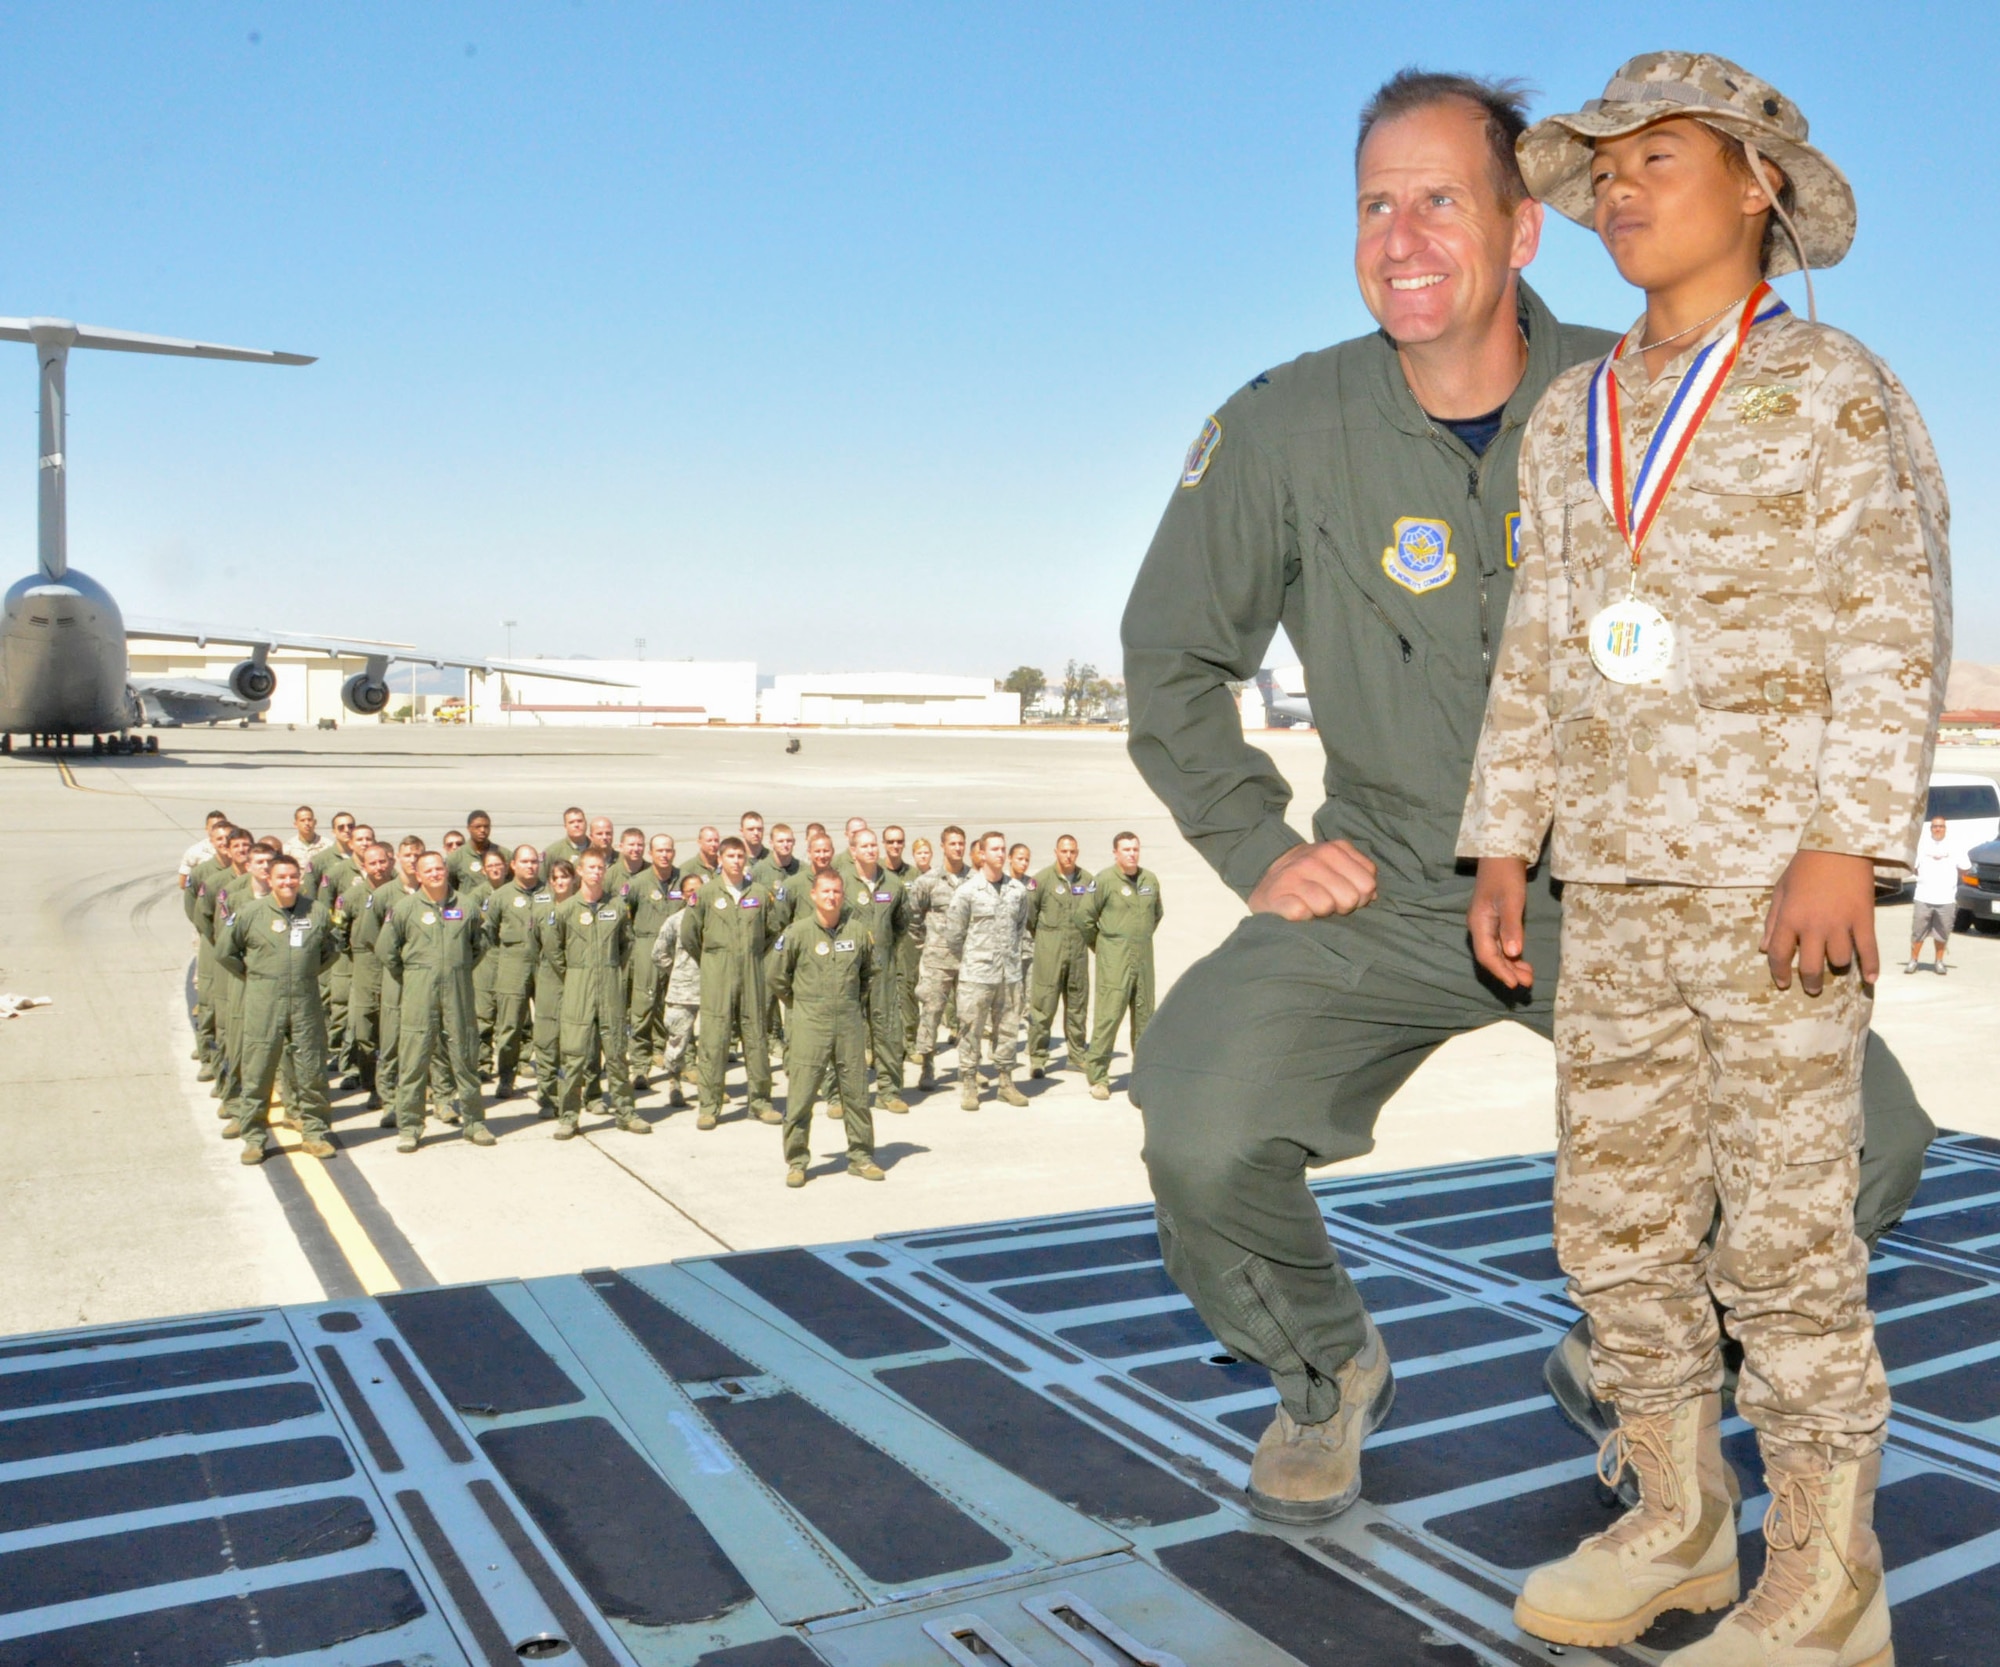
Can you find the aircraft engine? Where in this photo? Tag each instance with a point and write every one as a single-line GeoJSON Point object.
{"type": "Point", "coordinates": [364, 695]}
{"type": "Point", "coordinates": [253, 681]}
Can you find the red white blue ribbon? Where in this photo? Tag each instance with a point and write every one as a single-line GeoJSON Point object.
{"type": "Point", "coordinates": [1633, 506]}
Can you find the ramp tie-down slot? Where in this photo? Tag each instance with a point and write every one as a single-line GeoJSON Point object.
{"type": "Point", "coordinates": [971, 1641]}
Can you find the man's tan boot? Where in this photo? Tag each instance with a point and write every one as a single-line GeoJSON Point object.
{"type": "Point", "coordinates": [1310, 1472]}
{"type": "Point", "coordinates": [1009, 1093]}
{"type": "Point", "coordinates": [1676, 1550]}
{"type": "Point", "coordinates": [1821, 1601]}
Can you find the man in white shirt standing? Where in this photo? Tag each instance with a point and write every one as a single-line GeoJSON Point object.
{"type": "Point", "coordinates": [1937, 866]}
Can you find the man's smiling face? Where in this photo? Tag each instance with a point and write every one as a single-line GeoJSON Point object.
{"type": "Point", "coordinates": [1434, 244]}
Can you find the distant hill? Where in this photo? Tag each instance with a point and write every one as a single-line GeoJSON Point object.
{"type": "Point", "coordinates": [1973, 688]}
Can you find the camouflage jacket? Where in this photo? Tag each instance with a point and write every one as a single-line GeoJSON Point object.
{"type": "Point", "coordinates": [983, 928]}
{"type": "Point", "coordinates": [671, 956]}
{"type": "Point", "coordinates": [930, 896]}
{"type": "Point", "coordinates": [1800, 556]}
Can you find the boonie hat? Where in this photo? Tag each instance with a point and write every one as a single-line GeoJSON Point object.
{"type": "Point", "coordinates": [1555, 153]}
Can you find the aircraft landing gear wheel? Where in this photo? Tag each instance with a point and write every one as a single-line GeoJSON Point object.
{"type": "Point", "coordinates": [152, 743]}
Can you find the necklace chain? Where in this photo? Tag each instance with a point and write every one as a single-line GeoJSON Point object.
{"type": "Point", "coordinates": [1647, 347]}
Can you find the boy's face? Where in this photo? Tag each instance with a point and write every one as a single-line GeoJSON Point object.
{"type": "Point", "coordinates": [1434, 247]}
{"type": "Point", "coordinates": [1670, 206]}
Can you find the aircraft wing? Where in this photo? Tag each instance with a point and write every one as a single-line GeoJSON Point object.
{"type": "Point", "coordinates": [168, 630]}
{"type": "Point", "coordinates": [132, 341]}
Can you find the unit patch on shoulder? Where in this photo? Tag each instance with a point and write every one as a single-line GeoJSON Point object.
{"type": "Point", "coordinates": [1420, 557]}
{"type": "Point", "coordinates": [1513, 538]}
{"type": "Point", "coordinates": [1201, 453]}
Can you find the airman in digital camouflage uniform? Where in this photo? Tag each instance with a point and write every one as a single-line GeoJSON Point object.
{"type": "Point", "coordinates": [825, 958]}
{"type": "Point", "coordinates": [1721, 685]}
{"type": "Point", "coordinates": [680, 976]}
{"type": "Point", "coordinates": [982, 931]}
{"type": "Point", "coordinates": [1061, 967]}
{"type": "Point", "coordinates": [937, 965]}
{"type": "Point", "coordinates": [1364, 497]}
{"type": "Point", "coordinates": [278, 945]}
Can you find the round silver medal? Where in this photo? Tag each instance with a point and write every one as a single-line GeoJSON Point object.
{"type": "Point", "coordinates": [1631, 642]}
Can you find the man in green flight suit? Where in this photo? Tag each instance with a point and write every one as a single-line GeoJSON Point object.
{"type": "Point", "coordinates": [493, 872]}
{"type": "Point", "coordinates": [825, 960]}
{"type": "Point", "coordinates": [549, 988]}
{"type": "Point", "coordinates": [1061, 968]}
{"type": "Point", "coordinates": [728, 935]}
{"type": "Point", "coordinates": [651, 900]}
{"type": "Point", "coordinates": [429, 944]}
{"type": "Point", "coordinates": [469, 860]}
{"type": "Point", "coordinates": [910, 941]}
{"type": "Point", "coordinates": [589, 940]}
{"type": "Point", "coordinates": [571, 843]}
{"type": "Point", "coordinates": [1119, 920]}
{"type": "Point", "coordinates": [358, 914]}
{"type": "Point", "coordinates": [278, 945]}
{"type": "Point", "coordinates": [513, 950]}
{"type": "Point", "coordinates": [877, 899]}
{"type": "Point", "coordinates": [1365, 497]}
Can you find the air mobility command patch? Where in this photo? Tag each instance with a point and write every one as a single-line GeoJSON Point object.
{"type": "Point", "coordinates": [1420, 557]}
{"type": "Point", "coordinates": [1201, 453]}
{"type": "Point", "coordinates": [1513, 538]}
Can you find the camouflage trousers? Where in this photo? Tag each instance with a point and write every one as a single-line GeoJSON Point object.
{"type": "Point", "coordinates": [1687, 1079]}
{"type": "Point", "coordinates": [937, 987]}
{"type": "Point", "coordinates": [989, 1025]}
{"type": "Point", "coordinates": [677, 1022]}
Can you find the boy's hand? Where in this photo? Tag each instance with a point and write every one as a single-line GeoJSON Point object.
{"type": "Point", "coordinates": [1499, 900]}
{"type": "Point", "coordinates": [1310, 882]}
{"type": "Point", "coordinates": [1824, 914]}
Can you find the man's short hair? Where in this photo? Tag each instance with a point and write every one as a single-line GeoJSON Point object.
{"type": "Point", "coordinates": [1505, 104]}
{"type": "Point", "coordinates": [828, 874]}
{"type": "Point", "coordinates": [731, 843]}
{"type": "Point", "coordinates": [814, 827]}
{"type": "Point", "coordinates": [375, 845]}
{"type": "Point", "coordinates": [953, 829]}
{"type": "Point", "coordinates": [574, 810]}
{"type": "Point", "coordinates": [338, 814]}
{"type": "Point", "coordinates": [518, 849]}
{"type": "Point", "coordinates": [750, 816]}
{"type": "Point", "coordinates": [992, 833]}
{"type": "Point", "coordinates": [1119, 839]}
{"type": "Point", "coordinates": [240, 833]}
{"type": "Point", "coordinates": [213, 817]}
{"type": "Point", "coordinates": [631, 833]}
{"type": "Point", "coordinates": [305, 810]}
{"type": "Point", "coordinates": [777, 828]}
{"type": "Point", "coordinates": [282, 860]}
{"type": "Point", "coordinates": [412, 842]}
{"type": "Point", "coordinates": [893, 828]}
{"type": "Point", "coordinates": [269, 842]}
{"type": "Point", "coordinates": [591, 855]}
{"type": "Point", "coordinates": [472, 816]}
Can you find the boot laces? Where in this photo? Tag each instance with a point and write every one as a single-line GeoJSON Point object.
{"type": "Point", "coordinates": [1644, 1444]}
{"type": "Point", "coordinates": [1795, 1516]}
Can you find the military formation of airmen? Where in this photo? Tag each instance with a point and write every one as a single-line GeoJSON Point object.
{"type": "Point", "coordinates": [600, 962]}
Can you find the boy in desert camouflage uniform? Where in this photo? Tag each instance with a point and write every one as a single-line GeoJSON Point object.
{"type": "Point", "coordinates": [1720, 682]}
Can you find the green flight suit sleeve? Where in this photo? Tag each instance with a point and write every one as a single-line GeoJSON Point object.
{"type": "Point", "coordinates": [389, 942]}
{"type": "Point", "coordinates": [555, 941]}
{"type": "Point", "coordinates": [229, 945]}
{"type": "Point", "coordinates": [1093, 906]}
{"type": "Point", "coordinates": [329, 938]}
{"type": "Point", "coordinates": [781, 969]}
{"type": "Point", "coordinates": [691, 932]}
{"type": "Point", "coordinates": [1208, 599]}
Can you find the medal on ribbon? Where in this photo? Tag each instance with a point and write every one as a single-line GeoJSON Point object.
{"type": "Point", "coordinates": [1631, 641]}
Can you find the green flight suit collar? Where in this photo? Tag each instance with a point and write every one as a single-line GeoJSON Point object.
{"type": "Point", "coordinates": [1545, 363]}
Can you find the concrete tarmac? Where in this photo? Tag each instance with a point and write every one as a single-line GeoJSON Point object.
{"type": "Point", "coordinates": [122, 1202]}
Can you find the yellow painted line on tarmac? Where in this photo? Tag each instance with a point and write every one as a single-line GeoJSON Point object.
{"type": "Point", "coordinates": [347, 1231]}
{"type": "Point", "coordinates": [68, 775]}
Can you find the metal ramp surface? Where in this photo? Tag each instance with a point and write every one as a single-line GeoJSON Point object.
{"type": "Point", "coordinates": [1012, 1444]}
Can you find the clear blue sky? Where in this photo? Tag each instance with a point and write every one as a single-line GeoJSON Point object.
{"type": "Point", "coordinates": [836, 337]}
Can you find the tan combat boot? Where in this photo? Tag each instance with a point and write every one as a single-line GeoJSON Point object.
{"type": "Point", "coordinates": [1677, 1550]}
{"type": "Point", "coordinates": [1310, 1472]}
{"type": "Point", "coordinates": [968, 1090]}
{"type": "Point", "coordinates": [1821, 1601]}
{"type": "Point", "coordinates": [1009, 1093]}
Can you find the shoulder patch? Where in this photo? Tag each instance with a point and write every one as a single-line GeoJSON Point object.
{"type": "Point", "coordinates": [1419, 556]}
{"type": "Point", "coordinates": [1201, 453]}
{"type": "Point", "coordinates": [1513, 538]}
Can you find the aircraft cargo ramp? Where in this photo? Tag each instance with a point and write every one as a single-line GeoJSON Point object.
{"type": "Point", "coordinates": [1011, 1444]}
